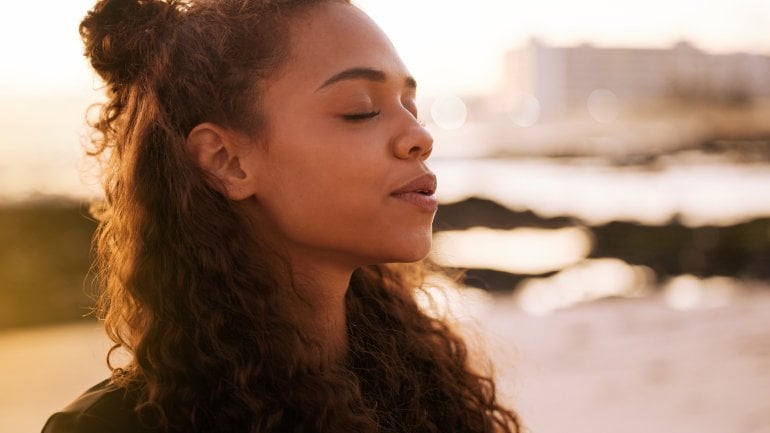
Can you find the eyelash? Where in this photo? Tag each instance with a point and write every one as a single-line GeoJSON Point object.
{"type": "Point", "coordinates": [357, 117]}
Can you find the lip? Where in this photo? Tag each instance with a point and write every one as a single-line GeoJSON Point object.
{"type": "Point", "coordinates": [419, 192]}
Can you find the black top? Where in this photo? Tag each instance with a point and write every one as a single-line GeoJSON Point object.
{"type": "Point", "coordinates": [105, 408]}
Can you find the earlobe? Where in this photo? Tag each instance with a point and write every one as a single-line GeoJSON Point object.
{"type": "Point", "coordinates": [218, 152]}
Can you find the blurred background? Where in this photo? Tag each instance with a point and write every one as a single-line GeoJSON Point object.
{"type": "Point", "coordinates": [604, 177]}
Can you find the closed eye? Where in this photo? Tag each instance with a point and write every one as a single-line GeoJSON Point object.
{"type": "Point", "coordinates": [360, 116]}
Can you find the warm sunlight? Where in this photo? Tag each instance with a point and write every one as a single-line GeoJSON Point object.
{"type": "Point", "coordinates": [602, 208]}
{"type": "Point", "coordinates": [42, 53]}
{"type": "Point", "coordinates": [42, 50]}
{"type": "Point", "coordinates": [454, 49]}
{"type": "Point", "coordinates": [467, 38]}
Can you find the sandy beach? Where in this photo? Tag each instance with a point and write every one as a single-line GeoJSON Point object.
{"type": "Point", "coordinates": [618, 365]}
{"type": "Point", "coordinates": [637, 366]}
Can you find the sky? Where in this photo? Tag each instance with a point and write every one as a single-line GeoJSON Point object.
{"type": "Point", "coordinates": [467, 38]}
{"type": "Point", "coordinates": [452, 47]}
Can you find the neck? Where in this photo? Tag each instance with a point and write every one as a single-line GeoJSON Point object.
{"type": "Point", "coordinates": [317, 303]}
{"type": "Point", "coordinates": [319, 307]}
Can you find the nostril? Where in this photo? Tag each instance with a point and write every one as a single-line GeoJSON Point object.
{"type": "Point", "coordinates": [413, 141]}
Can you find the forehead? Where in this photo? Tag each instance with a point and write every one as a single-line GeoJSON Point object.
{"type": "Point", "coordinates": [337, 36]}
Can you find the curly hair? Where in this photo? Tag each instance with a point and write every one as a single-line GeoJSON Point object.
{"type": "Point", "coordinates": [181, 290]}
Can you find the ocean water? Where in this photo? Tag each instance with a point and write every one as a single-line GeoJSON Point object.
{"type": "Point", "coordinates": [705, 192]}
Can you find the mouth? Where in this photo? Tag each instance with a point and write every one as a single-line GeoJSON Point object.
{"type": "Point", "coordinates": [419, 192]}
{"type": "Point", "coordinates": [425, 192]}
{"type": "Point", "coordinates": [424, 184]}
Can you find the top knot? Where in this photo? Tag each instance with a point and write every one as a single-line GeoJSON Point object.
{"type": "Point", "coordinates": [122, 36]}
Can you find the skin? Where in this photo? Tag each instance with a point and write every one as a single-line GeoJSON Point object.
{"type": "Point", "coordinates": [320, 179]}
{"type": "Point", "coordinates": [325, 180]}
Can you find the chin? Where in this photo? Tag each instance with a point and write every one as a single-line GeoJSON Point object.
{"type": "Point", "coordinates": [413, 252]}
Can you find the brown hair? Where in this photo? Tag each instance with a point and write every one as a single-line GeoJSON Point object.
{"type": "Point", "coordinates": [181, 290]}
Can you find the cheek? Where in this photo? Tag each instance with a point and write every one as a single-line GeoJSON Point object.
{"type": "Point", "coordinates": [327, 204]}
{"type": "Point", "coordinates": [316, 193]}
{"type": "Point", "coordinates": [326, 178]}
{"type": "Point", "coordinates": [351, 215]}
{"type": "Point", "coordinates": [333, 196]}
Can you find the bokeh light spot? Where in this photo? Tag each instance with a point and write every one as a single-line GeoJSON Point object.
{"type": "Point", "coordinates": [687, 292]}
{"type": "Point", "coordinates": [525, 110]}
{"type": "Point", "coordinates": [603, 105]}
{"type": "Point", "coordinates": [586, 281]}
{"type": "Point", "coordinates": [449, 112]}
{"type": "Point", "coordinates": [523, 250]}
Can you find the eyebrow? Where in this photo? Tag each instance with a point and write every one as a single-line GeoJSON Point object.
{"type": "Point", "coordinates": [364, 74]}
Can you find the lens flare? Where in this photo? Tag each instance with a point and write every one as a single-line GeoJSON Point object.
{"type": "Point", "coordinates": [603, 105]}
{"type": "Point", "coordinates": [449, 112]}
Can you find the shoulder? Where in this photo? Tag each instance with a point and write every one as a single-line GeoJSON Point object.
{"type": "Point", "coordinates": [105, 407]}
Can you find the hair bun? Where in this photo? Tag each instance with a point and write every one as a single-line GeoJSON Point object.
{"type": "Point", "coordinates": [121, 36]}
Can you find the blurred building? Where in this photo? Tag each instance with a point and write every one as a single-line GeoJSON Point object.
{"type": "Point", "coordinates": [566, 78]}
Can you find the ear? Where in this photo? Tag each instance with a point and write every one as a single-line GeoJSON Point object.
{"type": "Point", "coordinates": [220, 153]}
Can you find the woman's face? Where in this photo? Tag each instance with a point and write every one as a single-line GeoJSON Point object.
{"type": "Point", "coordinates": [340, 173]}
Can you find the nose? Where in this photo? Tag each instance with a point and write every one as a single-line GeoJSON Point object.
{"type": "Point", "coordinates": [414, 141]}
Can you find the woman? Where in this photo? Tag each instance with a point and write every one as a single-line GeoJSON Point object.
{"type": "Point", "coordinates": [263, 164]}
